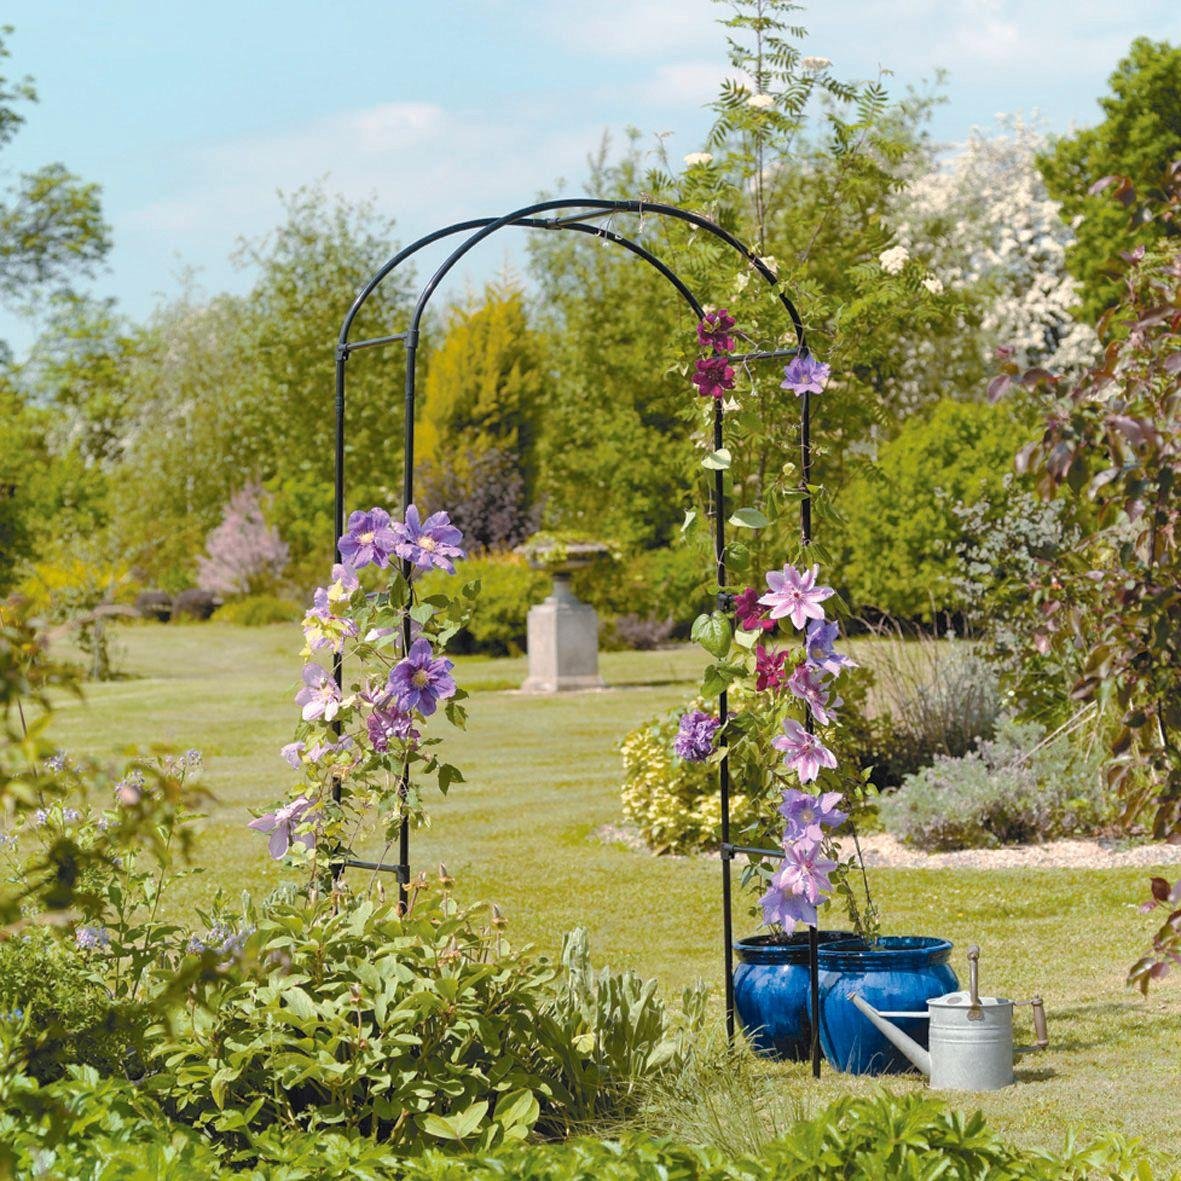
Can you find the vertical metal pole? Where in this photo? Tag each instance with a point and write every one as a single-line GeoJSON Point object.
{"type": "Point", "coordinates": [338, 529]}
{"type": "Point", "coordinates": [407, 500]}
{"type": "Point", "coordinates": [809, 723]}
{"type": "Point", "coordinates": [724, 768]}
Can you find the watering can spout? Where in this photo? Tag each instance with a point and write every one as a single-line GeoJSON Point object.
{"type": "Point", "coordinates": [906, 1045]}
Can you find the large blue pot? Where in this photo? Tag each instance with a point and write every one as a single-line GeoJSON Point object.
{"type": "Point", "coordinates": [897, 974]}
{"type": "Point", "coordinates": [771, 993]}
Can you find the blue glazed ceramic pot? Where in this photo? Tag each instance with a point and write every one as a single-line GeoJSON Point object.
{"type": "Point", "coordinates": [897, 974]}
{"type": "Point", "coordinates": [771, 993]}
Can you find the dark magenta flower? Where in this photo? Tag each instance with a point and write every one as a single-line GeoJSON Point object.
{"type": "Point", "coordinates": [419, 681]}
{"type": "Point", "coordinates": [695, 737]}
{"type": "Point", "coordinates": [794, 594]}
{"type": "Point", "coordinates": [805, 375]}
{"type": "Point", "coordinates": [804, 753]}
{"type": "Point", "coordinates": [820, 636]}
{"type": "Point", "coordinates": [713, 331]}
{"type": "Point", "coordinates": [807, 816]}
{"type": "Point", "coordinates": [713, 377]}
{"type": "Point", "coordinates": [749, 615]}
{"type": "Point", "coordinates": [430, 543]}
{"type": "Point", "coordinates": [805, 684]}
{"type": "Point", "coordinates": [768, 668]}
{"type": "Point", "coordinates": [370, 540]}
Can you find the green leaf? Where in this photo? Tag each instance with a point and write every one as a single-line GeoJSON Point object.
{"type": "Point", "coordinates": [712, 632]}
{"type": "Point", "coordinates": [717, 461]}
{"type": "Point", "coordinates": [449, 775]}
{"type": "Point", "coordinates": [690, 517]}
{"type": "Point", "coordinates": [749, 518]}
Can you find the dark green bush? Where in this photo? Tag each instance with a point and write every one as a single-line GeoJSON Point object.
{"type": "Point", "coordinates": [258, 611]}
{"type": "Point", "coordinates": [69, 1018]}
{"type": "Point", "coordinates": [508, 588]}
{"type": "Point", "coordinates": [1013, 789]}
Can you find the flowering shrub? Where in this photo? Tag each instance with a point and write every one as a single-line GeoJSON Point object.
{"type": "Point", "coordinates": [243, 555]}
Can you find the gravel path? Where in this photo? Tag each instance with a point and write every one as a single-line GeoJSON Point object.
{"type": "Point", "coordinates": [881, 850]}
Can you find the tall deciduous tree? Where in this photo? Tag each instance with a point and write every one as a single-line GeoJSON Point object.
{"type": "Point", "coordinates": [1140, 135]}
{"type": "Point", "coordinates": [51, 225]}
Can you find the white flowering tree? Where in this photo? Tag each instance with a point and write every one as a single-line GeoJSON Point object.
{"type": "Point", "coordinates": [983, 223]}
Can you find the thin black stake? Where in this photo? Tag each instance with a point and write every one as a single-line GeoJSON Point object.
{"type": "Point", "coordinates": [338, 529]}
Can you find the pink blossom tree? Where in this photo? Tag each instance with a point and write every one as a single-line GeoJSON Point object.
{"type": "Point", "coordinates": [243, 555]}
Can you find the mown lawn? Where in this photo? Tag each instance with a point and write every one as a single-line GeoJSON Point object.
{"type": "Point", "coordinates": [543, 779]}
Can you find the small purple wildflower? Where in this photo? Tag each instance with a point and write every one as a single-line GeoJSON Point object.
{"type": "Point", "coordinates": [807, 816]}
{"type": "Point", "coordinates": [282, 823]}
{"type": "Point", "coordinates": [713, 331]}
{"type": "Point", "coordinates": [71, 816]}
{"type": "Point", "coordinates": [57, 761]}
{"type": "Point", "coordinates": [370, 540]}
{"type": "Point", "coordinates": [820, 636]}
{"type": "Point", "coordinates": [804, 753]}
{"type": "Point", "coordinates": [429, 544]}
{"type": "Point", "coordinates": [419, 681]}
{"type": "Point", "coordinates": [713, 377]}
{"type": "Point", "coordinates": [92, 938]}
{"type": "Point", "coordinates": [40, 817]}
{"type": "Point", "coordinates": [794, 594]}
{"type": "Point", "coordinates": [805, 375]}
{"type": "Point", "coordinates": [130, 789]}
{"type": "Point", "coordinates": [320, 695]}
{"type": "Point", "coordinates": [695, 737]}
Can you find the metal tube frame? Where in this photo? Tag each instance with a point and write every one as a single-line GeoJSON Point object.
{"type": "Point", "coordinates": [580, 212]}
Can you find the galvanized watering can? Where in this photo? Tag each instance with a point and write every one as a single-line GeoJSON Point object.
{"type": "Point", "coordinates": [971, 1035]}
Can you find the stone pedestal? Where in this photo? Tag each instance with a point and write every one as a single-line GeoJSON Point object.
{"type": "Point", "coordinates": [563, 643]}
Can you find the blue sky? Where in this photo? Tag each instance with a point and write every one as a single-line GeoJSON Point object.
{"type": "Point", "coordinates": [191, 117]}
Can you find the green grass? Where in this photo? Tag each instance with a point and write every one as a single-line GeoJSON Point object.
{"type": "Point", "coordinates": [543, 779]}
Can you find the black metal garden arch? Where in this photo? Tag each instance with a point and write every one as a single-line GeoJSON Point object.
{"type": "Point", "coordinates": [577, 215]}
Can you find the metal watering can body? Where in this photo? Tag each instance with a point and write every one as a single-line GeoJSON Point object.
{"type": "Point", "coordinates": [971, 1041]}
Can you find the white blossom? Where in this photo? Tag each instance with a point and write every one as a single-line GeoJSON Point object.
{"type": "Point", "coordinates": [694, 158]}
{"type": "Point", "coordinates": [760, 102]}
{"type": "Point", "coordinates": [894, 259]}
{"type": "Point", "coordinates": [815, 63]}
{"type": "Point", "coordinates": [933, 284]}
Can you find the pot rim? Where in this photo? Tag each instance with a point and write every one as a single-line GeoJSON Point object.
{"type": "Point", "coordinates": [774, 949]}
{"type": "Point", "coordinates": [889, 953]}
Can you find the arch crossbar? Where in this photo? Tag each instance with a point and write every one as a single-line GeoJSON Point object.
{"type": "Point", "coordinates": [577, 215]}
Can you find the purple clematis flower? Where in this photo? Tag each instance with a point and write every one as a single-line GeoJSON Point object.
{"type": "Point", "coordinates": [433, 543]}
{"type": "Point", "coordinates": [713, 331]}
{"type": "Point", "coordinates": [807, 816]}
{"type": "Point", "coordinates": [805, 375]}
{"type": "Point", "coordinates": [784, 909]}
{"type": "Point", "coordinates": [292, 752]}
{"type": "Point", "coordinates": [320, 695]}
{"type": "Point", "coordinates": [370, 540]}
{"type": "Point", "coordinates": [695, 738]}
{"type": "Point", "coordinates": [795, 595]}
{"type": "Point", "coordinates": [713, 377]}
{"type": "Point", "coordinates": [420, 681]}
{"type": "Point", "coordinates": [282, 823]}
{"type": "Point", "coordinates": [768, 668]}
{"type": "Point", "coordinates": [804, 753]}
{"type": "Point", "coordinates": [805, 872]}
{"type": "Point", "coordinates": [820, 636]}
{"type": "Point", "coordinates": [749, 615]}
{"type": "Point", "coordinates": [386, 725]}
{"type": "Point", "coordinates": [805, 684]}
{"type": "Point", "coordinates": [323, 629]}
{"type": "Point", "coordinates": [344, 581]}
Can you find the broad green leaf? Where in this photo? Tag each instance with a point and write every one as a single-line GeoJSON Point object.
{"type": "Point", "coordinates": [749, 518]}
{"type": "Point", "coordinates": [712, 632]}
{"type": "Point", "coordinates": [717, 461]}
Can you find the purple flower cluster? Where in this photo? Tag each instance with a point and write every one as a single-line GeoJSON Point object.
{"type": "Point", "coordinates": [92, 938]}
{"type": "Point", "coordinates": [695, 736]}
{"type": "Point", "coordinates": [713, 331]}
{"type": "Point", "coordinates": [713, 375]}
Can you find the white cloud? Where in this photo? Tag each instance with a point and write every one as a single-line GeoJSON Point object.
{"type": "Point", "coordinates": [635, 28]}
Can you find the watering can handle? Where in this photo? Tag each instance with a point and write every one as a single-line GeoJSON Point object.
{"type": "Point", "coordinates": [1039, 1022]}
{"type": "Point", "coordinates": [975, 1012]}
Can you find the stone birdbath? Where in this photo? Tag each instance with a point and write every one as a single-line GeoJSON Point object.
{"type": "Point", "coordinates": [562, 631]}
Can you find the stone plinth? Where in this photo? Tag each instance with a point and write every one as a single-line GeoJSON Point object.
{"type": "Point", "coordinates": [563, 642]}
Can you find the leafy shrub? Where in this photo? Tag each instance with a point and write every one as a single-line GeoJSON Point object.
{"type": "Point", "coordinates": [639, 634]}
{"type": "Point", "coordinates": [508, 588]}
{"type": "Point", "coordinates": [660, 584]}
{"type": "Point", "coordinates": [901, 529]}
{"type": "Point", "coordinates": [68, 1017]}
{"type": "Point", "coordinates": [194, 604]}
{"type": "Point", "coordinates": [415, 1029]}
{"type": "Point", "coordinates": [1015, 788]}
{"type": "Point", "coordinates": [258, 611]}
